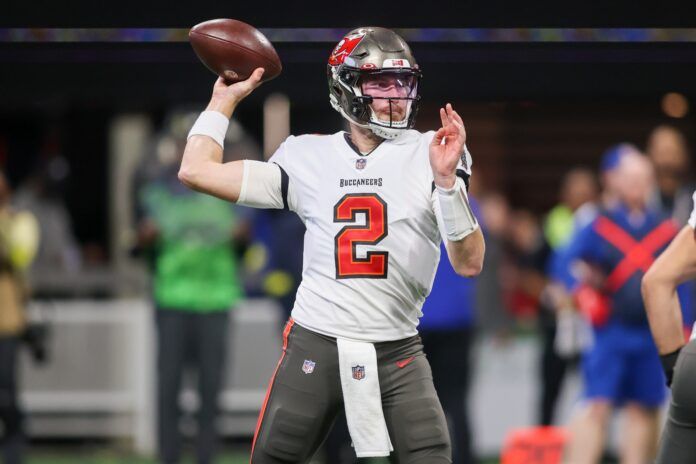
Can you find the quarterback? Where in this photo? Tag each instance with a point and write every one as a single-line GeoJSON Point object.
{"type": "Point", "coordinates": [376, 201]}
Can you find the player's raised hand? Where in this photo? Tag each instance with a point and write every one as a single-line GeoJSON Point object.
{"type": "Point", "coordinates": [447, 147]}
{"type": "Point", "coordinates": [226, 97]}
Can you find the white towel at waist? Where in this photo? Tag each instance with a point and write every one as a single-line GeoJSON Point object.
{"type": "Point", "coordinates": [362, 398]}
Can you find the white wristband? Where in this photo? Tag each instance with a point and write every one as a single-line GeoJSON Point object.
{"type": "Point", "coordinates": [213, 124]}
{"type": "Point", "coordinates": [455, 211]}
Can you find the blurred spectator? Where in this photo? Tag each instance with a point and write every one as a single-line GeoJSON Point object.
{"type": "Point", "coordinates": [668, 152]}
{"type": "Point", "coordinates": [621, 368]}
{"type": "Point", "coordinates": [609, 172]}
{"type": "Point", "coordinates": [493, 316]}
{"type": "Point", "coordinates": [448, 329]}
{"type": "Point", "coordinates": [191, 238]}
{"type": "Point", "coordinates": [276, 254]}
{"type": "Point", "coordinates": [19, 237]}
{"type": "Point", "coordinates": [530, 253]}
{"type": "Point", "coordinates": [42, 194]}
{"type": "Point", "coordinates": [578, 190]}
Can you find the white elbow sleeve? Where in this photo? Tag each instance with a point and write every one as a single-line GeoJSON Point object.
{"type": "Point", "coordinates": [455, 212]}
{"type": "Point", "coordinates": [262, 186]}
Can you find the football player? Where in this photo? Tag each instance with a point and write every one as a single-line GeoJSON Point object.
{"type": "Point", "coordinates": [671, 268]}
{"type": "Point", "coordinates": [377, 201]}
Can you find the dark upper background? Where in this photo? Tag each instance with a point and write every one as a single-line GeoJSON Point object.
{"type": "Point", "coordinates": [342, 13]}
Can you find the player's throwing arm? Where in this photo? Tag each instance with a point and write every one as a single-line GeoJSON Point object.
{"type": "Point", "coordinates": [202, 168]}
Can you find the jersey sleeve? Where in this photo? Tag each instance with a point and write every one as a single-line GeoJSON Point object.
{"type": "Point", "coordinates": [287, 186]}
{"type": "Point", "coordinates": [692, 218]}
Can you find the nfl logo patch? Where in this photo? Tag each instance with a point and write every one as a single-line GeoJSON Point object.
{"type": "Point", "coordinates": [358, 372]}
{"type": "Point", "coordinates": [308, 366]}
{"type": "Point", "coordinates": [360, 163]}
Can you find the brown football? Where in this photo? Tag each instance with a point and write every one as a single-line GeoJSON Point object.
{"type": "Point", "coordinates": [233, 49]}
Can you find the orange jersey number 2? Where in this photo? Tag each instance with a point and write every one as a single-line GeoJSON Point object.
{"type": "Point", "coordinates": [375, 263]}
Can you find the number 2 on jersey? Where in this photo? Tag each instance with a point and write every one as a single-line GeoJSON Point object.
{"type": "Point", "coordinates": [375, 263]}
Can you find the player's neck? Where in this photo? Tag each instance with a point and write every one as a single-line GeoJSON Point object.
{"type": "Point", "coordinates": [364, 139]}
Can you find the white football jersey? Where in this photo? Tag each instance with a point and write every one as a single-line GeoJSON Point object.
{"type": "Point", "coordinates": [692, 217]}
{"type": "Point", "coordinates": [372, 243]}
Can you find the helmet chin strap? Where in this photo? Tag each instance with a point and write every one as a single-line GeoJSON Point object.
{"type": "Point", "coordinates": [389, 133]}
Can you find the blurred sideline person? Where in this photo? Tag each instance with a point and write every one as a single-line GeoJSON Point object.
{"type": "Point", "coordinates": [448, 331]}
{"type": "Point", "coordinates": [190, 238]}
{"type": "Point", "coordinates": [668, 152]}
{"type": "Point", "coordinates": [377, 201]}
{"type": "Point", "coordinates": [622, 367]}
{"type": "Point", "coordinates": [528, 254]}
{"type": "Point", "coordinates": [578, 191]}
{"type": "Point", "coordinates": [492, 315]}
{"type": "Point", "coordinates": [572, 336]}
{"type": "Point", "coordinates": [610, 174]}
{"type": "Point", "coordinates": [276, 254]}
{"type": "Point", "coordinates": [671, 268]}
{"type": "Point", "coordinates": [19, 238]}
{"type": "Point", "coordinates": [43, 194]}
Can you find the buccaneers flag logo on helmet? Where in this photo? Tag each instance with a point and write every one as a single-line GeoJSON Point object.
{"type": "Point", "coordinates": [344, 48]}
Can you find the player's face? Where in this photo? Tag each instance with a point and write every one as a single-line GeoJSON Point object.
{"type": "Point", "coordinates": [391, 91]}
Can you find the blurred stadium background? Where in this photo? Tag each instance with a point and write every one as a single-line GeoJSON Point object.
{"type": "Point", "coordinates": [91, 103]}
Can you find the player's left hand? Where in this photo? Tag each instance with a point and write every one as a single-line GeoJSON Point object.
{"type": "Point", "coordinates": [444, 156]}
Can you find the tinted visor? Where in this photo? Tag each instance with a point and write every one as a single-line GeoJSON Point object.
{"type": "Point", "coordinates": [389, 84]}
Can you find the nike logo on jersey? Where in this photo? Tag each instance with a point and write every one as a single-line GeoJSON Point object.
{"type": "Point", "coordinates": [404, 362]}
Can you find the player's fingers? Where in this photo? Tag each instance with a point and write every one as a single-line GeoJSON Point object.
{"type": "Point", "coordinates": [219, 82]}
{"type": "Point", "coordinates": [254, 80]}
{"type": "Point", "coordinates": [437, 138]}
{"type": "Point", "coordinates": [457, 118]}
{"type": "Point", "coordinates": [257, 75]}
{"type": "Point", "coordinates": [443, 117]}
{"type": "Point", "coordinates": [448, 108]}
{"type": "Point", "coordinates": [245, 87]}
{"type": "Point", "coordinates": [457, 122]}
{"type": "Point", "coordinates": [459, 127]}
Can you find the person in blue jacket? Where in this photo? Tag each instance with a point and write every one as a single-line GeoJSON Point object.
{"type": "Point", "coordinates": [447, 329]}
{"type": "Point", "coordinates": [606, 261]}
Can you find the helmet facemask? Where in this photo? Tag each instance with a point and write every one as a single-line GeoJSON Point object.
{"type": "Point", "coordinates": [395, 95]}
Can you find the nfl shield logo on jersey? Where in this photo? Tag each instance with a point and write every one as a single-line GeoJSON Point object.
{"type": "Point", "coordinates": [358, 372]}
{"type": "Point", "coordinates": [308, 366]}
{"type": "Point", "coordinates": [360, 163]}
